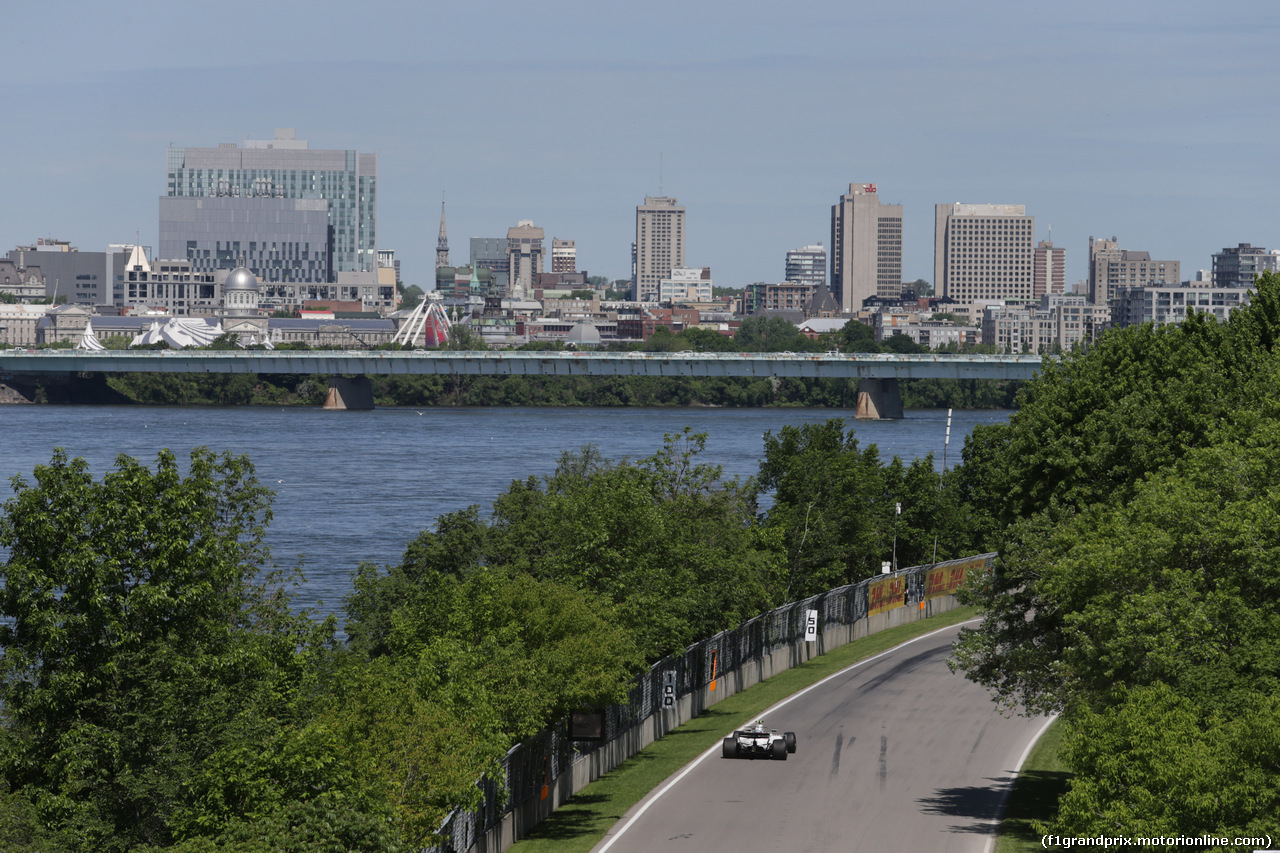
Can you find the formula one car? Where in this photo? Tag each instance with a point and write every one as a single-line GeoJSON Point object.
{"type": "Point", "coordinates": [757, 741]}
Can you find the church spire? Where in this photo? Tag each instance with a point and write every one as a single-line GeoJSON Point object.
{"type": "Point", "coordinates": [442, 244]}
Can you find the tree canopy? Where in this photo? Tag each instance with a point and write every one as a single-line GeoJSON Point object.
{"type": "Point", "coordinates": [1134, 497]}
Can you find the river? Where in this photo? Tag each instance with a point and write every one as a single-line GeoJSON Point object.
{"type": "Point", "coordinates": [358, 486]}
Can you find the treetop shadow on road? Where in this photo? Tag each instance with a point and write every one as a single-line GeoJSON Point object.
{"type": "Point", "coordinates": [1034, 796]}
{"type": "Point", "coordinates": [979, 803]}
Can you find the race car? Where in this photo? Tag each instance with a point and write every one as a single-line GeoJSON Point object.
{"type": "Point", "coordinates": [759, 741]}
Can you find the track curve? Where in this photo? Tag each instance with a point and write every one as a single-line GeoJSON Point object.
{"type": "Point", "coordinates": [895, 753]}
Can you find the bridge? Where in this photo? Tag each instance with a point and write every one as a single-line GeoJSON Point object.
{"type": "Point", "coordinates": [349, 371]}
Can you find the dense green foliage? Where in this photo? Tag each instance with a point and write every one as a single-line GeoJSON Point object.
{"type": "Point", "coordinates": [158, 692]}
{"type": "Point", "coordinates": [145, 663]}
{"type": "Point", "coordinates": [1135, 496]}
{"type": "Point", "coordinates": [835, 508]}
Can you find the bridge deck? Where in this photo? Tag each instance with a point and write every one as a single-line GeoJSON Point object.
{"type": "Point", "coordinates": [506, 363]}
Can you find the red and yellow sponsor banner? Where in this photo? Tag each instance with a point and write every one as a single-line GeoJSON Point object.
{"type": "Point", "coordinates": [885, 594]}
{"type": "Point", "coordinates": [947, 578]}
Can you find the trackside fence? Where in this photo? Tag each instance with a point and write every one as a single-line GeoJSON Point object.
{"type": "Point", "coordinates": [543, 772]}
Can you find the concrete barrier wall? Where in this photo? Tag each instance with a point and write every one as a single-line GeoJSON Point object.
{"type": "Point", "coordinates": [521, 820]}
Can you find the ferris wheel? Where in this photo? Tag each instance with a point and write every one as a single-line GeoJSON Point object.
{"type": "Point", "coordinates": [428, 324]}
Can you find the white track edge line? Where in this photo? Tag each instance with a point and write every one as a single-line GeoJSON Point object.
{"type": "Point", "coordinates": [654, 798]}
{"type": "Point", "coordinates": [1015, 773]}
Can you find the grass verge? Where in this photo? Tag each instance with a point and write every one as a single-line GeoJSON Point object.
{"type": "Point", "coordinates": [1041, 781]}
{"type": "Point", "coordinates": [579, 824]}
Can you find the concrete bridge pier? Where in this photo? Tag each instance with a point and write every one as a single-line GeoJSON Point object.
{"type": "Point", "coordinates": [879, 399]}
{"type": "Point", "coordinates": [349, 393]}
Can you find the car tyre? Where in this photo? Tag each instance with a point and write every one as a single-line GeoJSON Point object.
{"type": "Point", "coordinates": [730, 747]}
{"type": "Point", "coordinates": [778, 749]}
{"type": "Point", "coordinates": [789, 738]}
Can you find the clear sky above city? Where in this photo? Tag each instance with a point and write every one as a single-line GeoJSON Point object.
{"type": "Point", "coordinates": [1155, 121]}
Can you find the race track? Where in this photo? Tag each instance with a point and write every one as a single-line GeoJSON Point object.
{"type": "Point", "coordinates": [894, 754]}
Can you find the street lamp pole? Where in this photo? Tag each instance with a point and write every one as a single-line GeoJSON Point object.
{"type": "Point", "coordinates": [897, 511]}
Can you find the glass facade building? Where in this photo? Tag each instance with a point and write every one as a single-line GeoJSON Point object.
{"type": "Point", "coordinates": [245, 191]}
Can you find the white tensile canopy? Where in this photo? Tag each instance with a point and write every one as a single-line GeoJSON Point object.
{"type": "Point", "coordinates": [88, 340]}
{"type": "Point", "coordinates": [180, 332]}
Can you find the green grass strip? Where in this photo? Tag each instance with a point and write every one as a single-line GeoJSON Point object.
{"type": "Point", "coordinates": [1041, 781]}
{"type": "Point", "coordinates": [580, 823]}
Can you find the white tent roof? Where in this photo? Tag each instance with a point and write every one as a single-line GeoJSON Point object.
{"type": "Point", "coordinates": [89, 341]}
{"type": "Point", "coordinates": [180, 332]}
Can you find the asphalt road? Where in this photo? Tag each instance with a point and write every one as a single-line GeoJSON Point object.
{"type": "Point", "coordinates": [894, 754]}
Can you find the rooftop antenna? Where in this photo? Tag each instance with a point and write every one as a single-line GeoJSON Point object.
{"type": "Point", "coordinates": [659, 173]}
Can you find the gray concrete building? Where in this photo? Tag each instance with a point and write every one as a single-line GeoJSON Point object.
{"type": "Point", "coordinates": [84, 278]}
{"type": "Point", "coordinates": [1049, 270]}
{"type": "Point", "coordinates": [1240, 266]}
{"type": "Point", "coordinates": [1111, 268]}
{"type": "Point", "coordinates": [525, 254]}
{"type": "Point", "coordinates": [983, 251]}
{"type": "Point", "coordinates": [278, 239]}
{"type": "Point", "coordinates": [807, 265]}
{"type": "Point", "coordinates": [866, 248]}
{"type": "Point", "coordinates": [1165, 304]}
{"type": "Point", "coordinates": [341, 184]}
{"type": "Point", "coordinates": [1058, 323]}
{"type": "Point", "coordinates": [659, 246]}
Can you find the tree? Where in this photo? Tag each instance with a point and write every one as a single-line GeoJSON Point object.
{"type": "Point", "coordinates": [834, 507]}
{"type": "Point", "coordinates": [410, 295]}
{"type": "Point", "coordinates": [771, 334]}
{"type": "Point", "coordinates": [900, 343]}
{"type": "Point", "coordinates": [141, 642]}
{"type": "Point", "coordinates": [856, 336]}
{"type": "Point", "coordinates": [463, 337]}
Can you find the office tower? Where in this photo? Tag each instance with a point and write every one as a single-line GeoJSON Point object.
{"type": "Point", "coordinates": [524, 257]}
{"type": "Point", "coordinates": [659, 246]}
{"type": "Point", "coordinates": [982, 251]}
{"type": "Point", "coordinates": [88, 278]}
{"type": "Point", "coordinates": [1100, 253]}
{"type": "Point", "coordinates": [261, 202]}
{"type": "Point", "coordinates": [1049, 271]}
{"type": "Point", "coordinates": [807, 265]}
{"type": "Point", "coordinates": [1240, 266]}
{"type": "Point", "coordinates": [442, 243]}
{"type": "Point", "coordinates": [1111, 268]}
{"type": "Point", "coordinates": [564, 255]}
{"type": "Point", "coordinates": [287, 240]}
{"type": "Point", "coordinates": [866, 248]}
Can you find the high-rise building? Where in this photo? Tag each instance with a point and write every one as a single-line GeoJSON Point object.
{"type": "Point", "coordinates": [1241, 266]}
{"type": "Point", "coordinates": [1111, 268]}
{"type": "Point", "coordinates": [659, 245]}
{"type": "Point", "coordinates": [1049, 271]}
{"type": "Point", "coordinates": [807, 265]}
{"type": "Point", "coordinates": [866, 248]}
{"type": "Point", "coordinates": [251, 188]}
{"type": "Point", "coordinates": [286, 240]}
{"type": "Point", "coordinates": [983, 251]}
{"type": "Point", "coordinates": [564, 255]}
{"type": "Point", "coordinates": [524, 257]}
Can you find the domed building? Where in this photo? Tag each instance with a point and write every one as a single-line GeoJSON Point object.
{"type": "Point", "coordinates": [240, 294]}
{"type": "Point", "coordinates": [240, 314]}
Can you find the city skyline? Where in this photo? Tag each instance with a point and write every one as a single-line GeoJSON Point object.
{"type": "Point", "coordinates": [1101, 120]}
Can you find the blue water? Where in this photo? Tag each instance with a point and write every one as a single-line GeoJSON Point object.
{"type": "Point", "coordinates": [358, 486]}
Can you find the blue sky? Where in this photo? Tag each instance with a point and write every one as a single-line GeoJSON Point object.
{"type": "Point", "coordinates": [1155, 122]}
